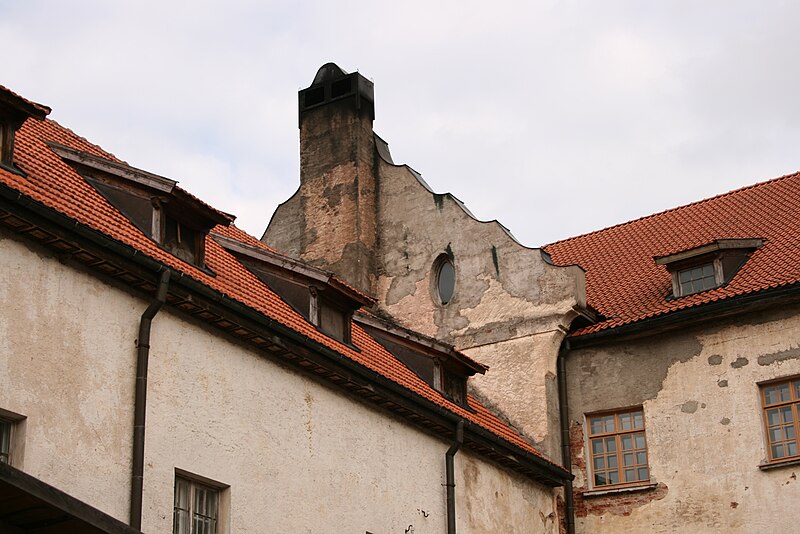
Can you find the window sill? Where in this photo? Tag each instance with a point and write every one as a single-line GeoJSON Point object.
{"type": "Point", "coordinates": [614, 491]}
{"type": "Point", "coordinates": [782, 463]}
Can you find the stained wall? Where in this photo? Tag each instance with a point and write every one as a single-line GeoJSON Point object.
{"type": "Point", "coordinates": [699, 389]}
{"type": "Point", "coordinates": [296, 455]}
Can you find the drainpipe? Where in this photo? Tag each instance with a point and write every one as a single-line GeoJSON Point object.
{"type": "Point", "coordinates": [140, 403]}
{"type": "Point", "coordinates": [563, 416]}
{"type": "Point", "coordinates": [451, 478]}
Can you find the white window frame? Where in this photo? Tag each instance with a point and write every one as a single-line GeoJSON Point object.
{"type": "Point", "coordinates": [195, 482]}
{"type": "Point", "coordinates": [16, 439]}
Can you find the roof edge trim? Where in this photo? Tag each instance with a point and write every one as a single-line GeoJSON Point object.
{"type": "Point", "coordinates": [120, 170]}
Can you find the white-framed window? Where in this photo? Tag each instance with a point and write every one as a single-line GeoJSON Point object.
{"type": "Point", "coordinates": [197, 506]}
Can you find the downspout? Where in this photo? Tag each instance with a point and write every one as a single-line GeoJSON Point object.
{"type": "Point", "coordinates": [563, 416]}
{"type": "Point", "coordinates": [140, 402]}
{"type": "Point", "coordinates": [451, 478]}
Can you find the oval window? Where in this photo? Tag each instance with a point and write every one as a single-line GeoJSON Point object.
{"type": "Point", "coordinates": [445, 280]}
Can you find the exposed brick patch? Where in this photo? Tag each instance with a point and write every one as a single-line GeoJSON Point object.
{"type": "Point", "coordinates": [561, 512]}
{"type": "Point", "coordinates": [617, 503]}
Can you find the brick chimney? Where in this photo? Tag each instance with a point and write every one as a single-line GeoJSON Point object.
{"type": "Point", "coordinates": [330, 221]}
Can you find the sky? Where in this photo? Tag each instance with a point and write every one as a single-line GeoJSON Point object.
{"type": "Point", "coordinates": [556, 118]}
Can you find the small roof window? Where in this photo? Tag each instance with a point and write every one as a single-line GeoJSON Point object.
{"type": "Point", "coordinates": [708, 266]}
{"type": "Point", "coordinates": [164, 212]}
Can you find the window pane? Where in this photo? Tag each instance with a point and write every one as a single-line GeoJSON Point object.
{"type": "Point", "coordinates": [180, 522]}
{"type": "Point", "coordinates": [627, 443]}
{"type": "Point", "coordinates": [5, 441]}
{"type": "Point", "coordinates": [685, 276]}
{"type": "Point", "coordinates": [597, 446]}
{"type": "Point", "coordinates": [612, 462]}
{"type": "Point", "coordinates": [777, 451]}
{"type": "Point", "coordinates": [597, 425]}
{"type": "Point", "coordinates": [789, 431]}
{"type": "Point", "coordinates": [791, 449]}
{"type": "Point", "coordinates": [770, 395]}
{"type": "Point", "coordinates": [786, 414]}
{"type": "Point", "coordinates": [686, 288]}
{"type": "Point", "coordinates": [783, 392]}
{"type": "Point", "coordinates": [446, 282]}
{"type": "Point", "coordinates": [708, 270]}
{"type": "Point", "coordinates": [600, 479]}
{"type": "Point", "coordinates": [639, 439]}
{"type": "Point", "coordinates": [613, 477]}
{"type": "Point", "coordinates": [599, 463]}
{"type": "Point", "coordinates": [611, 445]}
{"type": "Point", "coordinates": [641, 458]}
{"type": "Point", "coordinates": [626, 421]}
{"type": "Point", "coordinates": [627, 459]}
{"type": "Point", "coordinates": [775, 434]}
{"type": "Point", "coordinates": [638, 420]}
{"type": "Point", "coordinates": [629, 475]}
{"type": "Point", "coordinates": [643, 475]}
{"type": "Point", "coordinates": [609, 423]}
{"type": "Point", "coordinates": [773, 418]}
{"type": "Point", "coordinates": [797, 390]}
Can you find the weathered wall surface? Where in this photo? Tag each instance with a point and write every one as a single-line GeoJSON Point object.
{"type": "Point", "coordinates": [704, 426]}
{"type": "Point", "coordinates": [67, 359]}
{"type": "Point", "coordinates": [330, 220]}
{"type": "Point", "coordinates": [377, 226]}
{"type": "Point", "coordinates": [510, 308]}
{"type": "Point", "coordinates": [297, 455]}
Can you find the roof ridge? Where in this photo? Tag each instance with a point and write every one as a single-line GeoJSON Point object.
{"type": "Point", "coordinates": [676, 208]}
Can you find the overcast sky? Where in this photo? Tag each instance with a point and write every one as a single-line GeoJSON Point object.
{"type": "Point", "coordinates": [554, 117]}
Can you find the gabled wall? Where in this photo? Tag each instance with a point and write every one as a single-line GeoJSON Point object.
{"type": "Point", "coordinates": [378, 226]}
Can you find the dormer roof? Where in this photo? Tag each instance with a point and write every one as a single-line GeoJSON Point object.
{"type": "Point", "coordinates": [626, 278]}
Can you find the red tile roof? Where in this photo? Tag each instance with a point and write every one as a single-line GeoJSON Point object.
{"type": "Point", "coordinates": [55, 184]}
{"type": "Point", "coordinates": [624, 283]}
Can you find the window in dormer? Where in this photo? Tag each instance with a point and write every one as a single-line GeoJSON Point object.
{"type": "Point", "coordinates": [708, 266]}
{"type": "Point", "coordinates": [697, 279]}
{"type": "Point", "coordinates": [328, 316]}
{"type": "Point", "coordinates": [182, 241]}
{"type": "Point", "coordinates": [6, 143]}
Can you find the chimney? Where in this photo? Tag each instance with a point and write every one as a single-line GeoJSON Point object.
{"type": "Point", "coordinates": [330, 221]}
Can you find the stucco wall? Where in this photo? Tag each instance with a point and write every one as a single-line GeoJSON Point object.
{"type": "Point", "coordinates": [704, 427]}
{"type": "Point", "coordinates": [298, 456]}
{"type": "Point", "coordinates": [509, 310]}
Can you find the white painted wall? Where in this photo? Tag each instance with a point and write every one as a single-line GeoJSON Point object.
{"type": "Point", "coordinates": [298, 456]}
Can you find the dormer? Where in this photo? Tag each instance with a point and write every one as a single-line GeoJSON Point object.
{"type": "Point", "coordinates": [444, 369]}
{"type": "Point", "coordinates": [708, 266]}
{"type": "Point", "coordinates": [14, 110]}
{"type": "Point", "coordinates": [167, 214]}
{"type": "Point", "coordinates": [320, 297]}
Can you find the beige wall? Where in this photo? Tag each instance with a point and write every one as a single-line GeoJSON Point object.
{"type": "Point", "coordinates": [703, 422]}
{"type": "Point", "coordinates": [298, 456]}
{"type": "Point", "coordinates": [510, 308]}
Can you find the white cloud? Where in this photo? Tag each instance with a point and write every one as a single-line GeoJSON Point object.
{"type": "Point", "coordinates": [554, 117]}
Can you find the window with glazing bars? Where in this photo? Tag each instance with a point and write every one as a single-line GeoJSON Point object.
{"type": "Point", "coordinates": [781, 404]}
{"type": "Point", "coordinates": [618, 448]}
{"type": "Point", "coordinates": [697, 279]}
{"type": "Point", "coordinates": [196, 508]}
